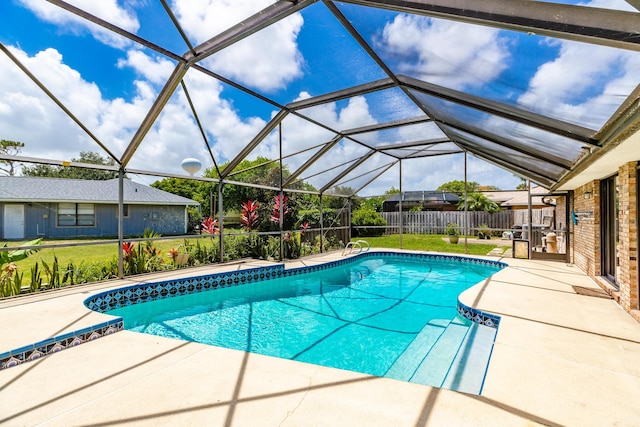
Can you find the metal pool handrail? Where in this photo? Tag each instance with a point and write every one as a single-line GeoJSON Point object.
{"type": "Point", "coordinates": [358, 244]}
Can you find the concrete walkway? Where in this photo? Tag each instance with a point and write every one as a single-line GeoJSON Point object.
{"type": "Point", "coordinates": [560, 358]}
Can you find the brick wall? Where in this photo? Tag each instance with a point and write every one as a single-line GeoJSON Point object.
{"type": "Point", "coordinates": [586, 234]}
{"type": "Point", "coordinates": [561, 213]}
{"type": "Point", "coordinates": [627, 276]}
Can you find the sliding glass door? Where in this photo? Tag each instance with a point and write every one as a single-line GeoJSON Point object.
{"type": "Point", "coordinates": [609, 231]}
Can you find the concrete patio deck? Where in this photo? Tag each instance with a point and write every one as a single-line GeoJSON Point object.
{"type": "Point", "coordinates": [560, 358]}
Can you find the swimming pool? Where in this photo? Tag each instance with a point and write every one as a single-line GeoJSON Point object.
{"type": "Point", "coordinates": [385, 314]}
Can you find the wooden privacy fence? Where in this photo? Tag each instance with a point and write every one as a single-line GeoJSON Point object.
{"type": "Point", "coordinates": [435, 222]}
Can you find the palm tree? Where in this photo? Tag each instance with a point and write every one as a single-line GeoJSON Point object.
{"type": "Point", "coordinates": [479, 202]}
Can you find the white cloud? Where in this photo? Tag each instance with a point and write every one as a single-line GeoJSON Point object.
{"type": "Point", "coordinates": [420, 132]}
{"type": "Point", "coordinates": [29, 116]}
{"type": "Point", "coordinates": [108, 10]}
{"type": "Point", "coordinates": [300, 134]}
{"type": "Point", "coordinates": [560, 88]}
{"type": "Point", "coordinates": [266, 61]}
{"type": "Point", "coordinates": [564, 87]}
{"type": "Point", "coordinates": [355, 114]}
{"type": "Point", "coordinates": [206, 18]}
{"type": "Point", "coordinates": [227, 131]}
{"type": "Point", "coordinates": [431, 172]}
{"type": "Point", "coordinates": [451, 54]}
{"type": "Point", "coordinates": [156, 70]}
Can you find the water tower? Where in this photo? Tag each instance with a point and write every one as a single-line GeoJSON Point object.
{"type": "Point", "coordinates": [191, 165]}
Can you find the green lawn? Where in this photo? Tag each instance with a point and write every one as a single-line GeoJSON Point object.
{"type": "Point", "coordinates": [103, 253]}
{"type": "Point", "coordinates": [427, 242]}
{"type": "Point", "coordinates": [89, 254]}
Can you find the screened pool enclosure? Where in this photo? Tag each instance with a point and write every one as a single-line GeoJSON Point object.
{"type": "Point", "coordinates": [333, 96]}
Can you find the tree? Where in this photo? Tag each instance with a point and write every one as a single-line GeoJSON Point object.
{"type": "Point", "coordinates": [75, 172]}
{"type": "Point", "coordinates": [523, 183]}
{"type": "Point", "coordinates": [181, 187]}
{"type": "Point", "coordinates": [479, 202]}
{"type": "Point", "coordinates": [260, 171]}
{"type": "Point", "coordinates": [9, 148]}
{"type": "Point", "coordinates": [457, 187]}
{"type": "Point", "coordinates": [488, 188]}
{"type": "Point", "coordinates": [367, 216]}
{"type": "Point", "coordinates": [374, 203]}
{"type": "Point", "coordinates": [343, 191]}
{"type": "Point", "coordinates": [392, 190]}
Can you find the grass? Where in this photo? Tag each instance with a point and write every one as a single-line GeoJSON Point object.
{"type": "Point", "coordinates": [90, 254]}
{"type": "Point", "coordinates": [94, 254]}
{"type": "Point", "coordinates": [427, 242]}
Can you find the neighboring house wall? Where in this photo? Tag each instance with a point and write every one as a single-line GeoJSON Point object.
{"type": "Point", "coordinates": [165, 220]}
{"type": "Point", "coordinates": [41, 220]}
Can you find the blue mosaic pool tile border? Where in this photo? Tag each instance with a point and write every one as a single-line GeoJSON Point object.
{"type": "Point", "coordinates": [437, 257]}
{"type": "Point", "coordinates": [144, 292]}
{"type": "Point", "coordinates": [61, 342]}
{"type": "Point", "coordinates": [478, 316]}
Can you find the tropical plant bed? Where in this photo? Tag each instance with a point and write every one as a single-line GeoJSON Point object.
{"type": "Point", "coordinates": [48, 268]}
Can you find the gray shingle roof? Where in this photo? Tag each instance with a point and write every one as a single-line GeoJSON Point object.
{"type": "Point", "coordinates": [32, 189]}
{"type": "Point", "coordinates": [431, 196]}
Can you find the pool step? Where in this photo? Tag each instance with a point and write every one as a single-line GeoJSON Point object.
{"type": "Point", "coordinates": [457, 356]}
{"type": "Point", "coordinates": [434, 368]}
{"type": "Point", "coordinates": [405, 366]}
{"type": "Point", "coordinates": [468, 369]}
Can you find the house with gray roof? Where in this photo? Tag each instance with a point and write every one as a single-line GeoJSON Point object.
{"type": "Point", "coordinates": [33, 207]}
{"type": "Point", "coordinates": [433, 200]}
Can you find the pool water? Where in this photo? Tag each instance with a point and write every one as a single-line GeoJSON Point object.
{"type": "Point", "coordinates": [387, 316]}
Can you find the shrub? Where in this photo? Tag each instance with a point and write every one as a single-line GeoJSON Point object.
{"type": "Point", "coordinates": [312, 217]}
{"type": "Point", "coordinates": [366, 216]}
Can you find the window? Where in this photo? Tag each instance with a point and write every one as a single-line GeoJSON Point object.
{"type": "Point", "coordinates": [125, 211]}
{"type": "Point", "coordinates": [76, 214]}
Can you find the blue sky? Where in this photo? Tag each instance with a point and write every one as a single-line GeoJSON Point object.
{"type": "Point", "coordinates": [109, 82]}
